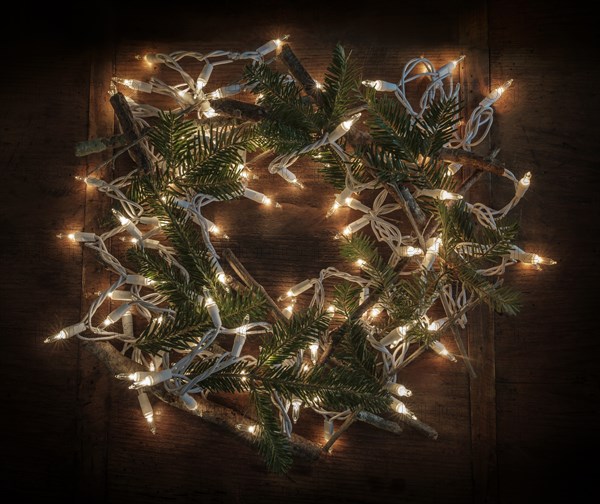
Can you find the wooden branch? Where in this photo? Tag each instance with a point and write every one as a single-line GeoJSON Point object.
{"type": "Point", "coordinates": [300, 73]}
{"type": "Point", "coordinates": [216, 414]}
{"type": "Point", "coordinates": [473, 160]}
{"type": "Point", "coordinates": [239, 109]}
{"type": "Point", "coordinates": [131, 131]}
{"type": "Point", "coordinates": [96, 145]}
{"type": "Point", "coordinates": [242, 272]}
{"type": "Point", "coordinates": [422, 427]}
{"type": "Point", "coordinates": [380, 423]}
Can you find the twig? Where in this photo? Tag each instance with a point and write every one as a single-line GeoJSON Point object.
{"type": "Point", "coordinates": [242, 272]}
{"type": "Point", "coordinates": [380, 423]}
{"type": "Point", "coordinates": [207, 410]}
{"type": "Point", "coordinates": [131, 131]}
{"type": "Point", "coordinates": [88, 147]}
{"type": "Point", "coordinates": [473, 160]}
{"type": "Point", "coordinates": [422, 427]}
{"type": "Point", "coordinates": [239, 109]}
{"type": "Point", "coordinates": [300, 73]}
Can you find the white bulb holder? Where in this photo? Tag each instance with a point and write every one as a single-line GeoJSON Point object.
{"type": "Point", "coordinates": [189, 401]}
{"type": "Point", "coordinates": [301, 287]}
{"type": "Point", "coordinates": [67, 332]}
{"type": "Point", "coordinates": [116, 315]}
{"type": "Point", "coordinates": [395, 336]}
{"type": "Point", "coordinates": [342, 128]}
{"type": "Point", "coordinates": [380, 85]}
{"type": "Point", "coordinates": [495, 95]}
{"type": "Point", "coordinates": [138, 280]}
{"type": "Point", "coordinates": [256, 196]}
{"type": "Point", "coordinates": [355, 226]}
{"type": "Point", "coordinates": [204, 76]}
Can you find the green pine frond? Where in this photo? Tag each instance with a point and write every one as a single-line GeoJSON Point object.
{"type": "Point", "coordinates": [231, 379]}
{"type": "Point", "coordinates": [346, 298]}
{"type": "Point", "coordinates": [169, 279]}
{"type": "Point", "coordinates": [281, 97]}
{"type": "Point", "coordinates": [234, 306]}
{"type": "Point", "coordinates": [339, 89]}
{"type": "Point", "coordinates": [436, 125]}
{"type": "Point", "coordinates": [173, 138]}
{"type": "Point", "coordinates": [291, 337]}
{"type": "Point", "coordinates": [179, 332]}
{"type": "Point", "coordinates": [273, 445]}
{"type": "Point", "coordinates": [502, 298]}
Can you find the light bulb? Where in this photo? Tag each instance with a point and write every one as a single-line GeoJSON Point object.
{"type": "Point", "coordinates": [331, 309]}
{"type": "Point", "coordinates": [139, 280]}
{"type": "Point", "coordinates": [433, 249]}
{"type": "Point", "coordinates": [395, 336]}
{"type": "Point", "coordinates": [342, 128]}
{"type": "Point", "coordinates": [355, 226]}
{"type": "Point", "coordinates": [400, 407]}
{"type": "Point", "coordinates": [151, 379]}
{"type": "Point", "coordinates": [379, 85]}
{"type": "Point", "coordinates": [134, 84]}
{"type": "Point", "coordinates": [67, 332]}
{"type": "Point", "coordinates": [536, 259]}
{"type": "Point", "coordinates": [356, 205]}
{"type": "Point", "coordinates": [296, 404]}
{"type": "Point", "coordinates": [453, 168]}
{"type": "Point", "coordinates": [190, 402]}
{"type": "Point", "coordinates": [147, 410]}
{"type": "Point", "coordinates": [257, 196]}
{"type": "Point", "coordinates": [360, 262]}
{"type": "Point", "coordinates": [314, 352]}
{"type": "Point", "coordinates": [409, 251]}
{"type": "Point", "coordinates": [442, 351]}
{"type": "Point", "coordinates": [328, 429]}
{"type": "Point", "coordinates": [518, 254]}
{"type": "Point", "coordinates": [288, 311]}
{"type": "Point", "coordinates": [213, 309]}
{"type": "Point", "coordinates": [205, 74]}
{"type": "Point", "coordinates": [491, 98]}
{"type": "Point", "coordinates": [446, 195]}
{"type": "Point", "coordinates": [120, 295]}
{"type": "Point", "coordinates": [240, 337]}
{"type": "Point", "coordinates": [398, 389]}
{"type": "Point", "coordinates": [271, 46]}
{"type": "Point", "coordinates": [523, 185]}
{"type": "Point", "coordinates": [116, 315]}
{"type": "Point", "coordinates": [298, 289]}
{"type": "Point", "coordinates": [436, 324]}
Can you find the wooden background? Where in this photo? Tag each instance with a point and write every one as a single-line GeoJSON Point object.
{"type": "Point", "coordinates": [521, 433]}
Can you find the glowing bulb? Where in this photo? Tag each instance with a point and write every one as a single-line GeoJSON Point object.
{"type": "Point", "coordinates": [375, 312]}
{"type": "Point", "coordinates": [523, 185]}
{"type": "Point", "coordinates": [314, 351]}
{"type": "Point", "coordinates": [71, 236]}
{"type": "Point", "coordinates": [318, 85]}
{"type": "Point", "coordinates": [395, 336]}
{"type": "Point", "coordinates": [379, 85]}
{"type": "Point", "coordinates": [453, 169]}
{"type": "Point", "coordinates": [296, 404]}
{"type": "Point", "coordinates": [442, 351]}
{"type": "Point", "coordinates": [288, 311]}
{"type": "Point", "coordinates": [331, 309]}
{"type": "Point", "coordinates": [222, 277]}
{"type": "Point", "coordinates": [342, 129]}
{"type": "Point", "coordinates": [398, 389]}
{"type": "Point", "coordinates": [67, 332]}
{"type": "Point", "coordinates": [400, 407]}
{"type": "Point", "coordinates": [409, 251]}
{"type": "Point", "coordinates": [491, 98]}
{"type": "Point", "coordinates": [147, 410]}
{"type": "Point", "coordinates": [252, 429]}
{"type": "Point", "coordinates": [446, 195]}
{"type": "Point", "coordinates": [360, 262]}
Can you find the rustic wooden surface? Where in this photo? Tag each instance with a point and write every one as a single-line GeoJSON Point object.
{"type": "Point", "coordinates": [76, 435]}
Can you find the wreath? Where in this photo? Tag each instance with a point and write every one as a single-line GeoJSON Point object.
{"type": "Point", "coordinates": [428, 258]}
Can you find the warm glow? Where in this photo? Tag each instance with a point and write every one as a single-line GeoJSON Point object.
{"type": "Point", "coordinates": [360, 262]}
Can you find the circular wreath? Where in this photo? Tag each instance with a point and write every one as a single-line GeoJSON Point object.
{"type": "Point", "coordinates": [430, 256]}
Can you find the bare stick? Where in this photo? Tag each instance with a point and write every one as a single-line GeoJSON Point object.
{"type": "Point", "coordinates": [300, 73]}
{"type": "Point", "coordinates": [422, 427]}
{"type": "Point", "coordinates": [380, 423]}
{"type": "Point", "coordinates": [473, 160]}
{"type": "Point", "coordinates": [239, 109]}
{"type": "Point", "coordinates": [88, 147]}
{"type": "Point", "coordinates": [216, 414]}
{"type": "Point", "coordinates": [242, 272]}
{"type": "Point", "coordinates": [131, 131]}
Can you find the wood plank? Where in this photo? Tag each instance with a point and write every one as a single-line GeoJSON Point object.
{"type": "Point", "coordinates": [475, 79]}
{"type": "Point", "coordinates": [44, 102]}
{"type": "Point", "coordinates": [94, 387]}
{"type": "Point", "coordinates": [547, 375]}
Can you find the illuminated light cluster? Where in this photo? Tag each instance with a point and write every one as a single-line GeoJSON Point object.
{"type": "Point", "coordinates": [495, 95]}
{"type": "Point", "coordinates": [342, 128]}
